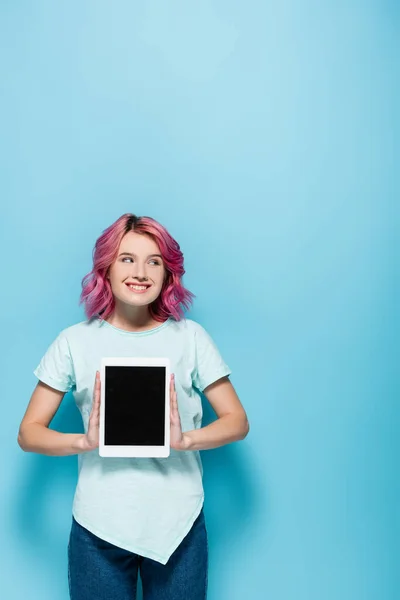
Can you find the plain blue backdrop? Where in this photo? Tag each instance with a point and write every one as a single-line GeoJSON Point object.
{"type": "Point", "coordinates": [263, 136]}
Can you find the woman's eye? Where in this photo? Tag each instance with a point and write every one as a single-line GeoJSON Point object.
{"type": "Point", "coordinates": [128, 258]}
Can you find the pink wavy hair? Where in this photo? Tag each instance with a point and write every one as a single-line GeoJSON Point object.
{"type": "Point", "coordinates": [96, 292]}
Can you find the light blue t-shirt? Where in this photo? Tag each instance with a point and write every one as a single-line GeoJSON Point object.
{"type": "Point", "coordinates": [144, 505]}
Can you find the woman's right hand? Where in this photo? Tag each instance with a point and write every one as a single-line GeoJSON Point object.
{"type": "Point", "coordinates": [91, 438]}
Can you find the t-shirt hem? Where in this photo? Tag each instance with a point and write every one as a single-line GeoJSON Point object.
{"type": "Point", "coordinates": [186, 530]}
{"type": "Point", "coordinates": [161, 558]}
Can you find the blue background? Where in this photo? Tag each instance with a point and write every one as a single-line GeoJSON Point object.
{"type": "Point", "coordinates": [263, 135]}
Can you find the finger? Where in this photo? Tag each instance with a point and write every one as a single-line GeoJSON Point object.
{"type": "Point", "coordinates": [97, 382]}
{"type": "Point", "coordinates": [173, 383]}
{"type": "Point", "coordinates": [95, 412]}
{"type": "Point", "coordinates": [173, 397]}
{"type": "Point", "coordinates": [171, 389]}
{"type": "Point", "coordinates": [175, 405]}
{"type": "Point", "coordinates": [173, 400]}
{"type": "Point", "coordinates": [95, 402]}
{"type": "Point", "coordinates": [174, 410]}
{"type": "Point", "coordinates": [97, 385]}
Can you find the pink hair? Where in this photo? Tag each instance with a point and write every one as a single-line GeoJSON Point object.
{"type": "Point", "coordinates": [96, 292]}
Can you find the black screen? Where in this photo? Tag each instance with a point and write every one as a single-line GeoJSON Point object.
{"type": "Point", "coordinates": [134, 406]}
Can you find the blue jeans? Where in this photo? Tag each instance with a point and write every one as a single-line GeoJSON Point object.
{"type": "Point", "coordinates": [98, 570]}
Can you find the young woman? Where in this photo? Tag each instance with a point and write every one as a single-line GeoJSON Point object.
{"type": "Point", "coordinates": [135, 515]}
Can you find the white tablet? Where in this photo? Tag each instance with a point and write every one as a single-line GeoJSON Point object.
{"type": "Point", "coordinates": [134, 407]}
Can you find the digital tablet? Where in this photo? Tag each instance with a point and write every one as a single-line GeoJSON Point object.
{"type": "Point", "coordinates": [134, 407]}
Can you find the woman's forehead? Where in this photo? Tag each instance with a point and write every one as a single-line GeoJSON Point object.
{"type": "Point", "coordinates": [136, 243]}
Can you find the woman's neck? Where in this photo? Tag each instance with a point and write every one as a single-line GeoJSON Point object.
{"type": "Point", "coordinates": [132, 320]}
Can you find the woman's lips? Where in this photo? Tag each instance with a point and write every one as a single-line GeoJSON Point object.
{"type": "Point", "coordinates": [143, 291]}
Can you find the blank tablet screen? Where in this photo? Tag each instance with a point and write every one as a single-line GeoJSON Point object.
{"type": "Point", "coordinates": [134, 406]}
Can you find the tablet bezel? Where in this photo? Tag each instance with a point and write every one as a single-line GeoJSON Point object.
{"type": "Point", "coordinates": [135, 451]}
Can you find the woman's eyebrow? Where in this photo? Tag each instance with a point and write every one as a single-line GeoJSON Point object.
{"type": "Point", "coordinates": [132, 254]}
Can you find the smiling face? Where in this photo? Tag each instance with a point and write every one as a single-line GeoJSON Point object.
{"type": "Point", "coordinates": [138, 262]}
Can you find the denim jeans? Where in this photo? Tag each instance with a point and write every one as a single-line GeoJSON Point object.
{"type": "Point", "coordinates": [98, 570]}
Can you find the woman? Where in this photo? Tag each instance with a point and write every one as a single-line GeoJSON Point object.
{"type": "Point", "coordinates": [135, 515]}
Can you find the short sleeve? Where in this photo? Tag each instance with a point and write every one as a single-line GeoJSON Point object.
{"type": "Point", "coordinates": [56, 367]}
{"type": "Point", "coordinates": [209, 364]}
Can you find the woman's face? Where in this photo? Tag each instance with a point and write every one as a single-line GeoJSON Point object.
{"type": "Point", "coordinates": [138, 261]}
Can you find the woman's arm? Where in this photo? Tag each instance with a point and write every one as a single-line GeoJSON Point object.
{"type": "Point", "coordinates": [34, 437]}
{"type": "Point", "coordinates": [34, 434]}
{"type": "Point", "coordinates": [230, 426]}
{"type": "Point", "coordinates": [226, 429]}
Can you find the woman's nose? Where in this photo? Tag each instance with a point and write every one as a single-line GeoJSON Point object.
{"type": "Point", "coordinates": [139, 272]}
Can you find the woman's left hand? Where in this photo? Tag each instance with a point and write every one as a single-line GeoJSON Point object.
{"type": "Point", "coordinates": [177, 441]}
